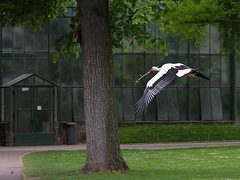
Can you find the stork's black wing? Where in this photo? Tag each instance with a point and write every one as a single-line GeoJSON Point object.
{"type": "Point", "coordinates": [154, 88]}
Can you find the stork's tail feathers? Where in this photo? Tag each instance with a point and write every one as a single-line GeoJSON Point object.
{"type": "Point", "coordinates": [198, 74]}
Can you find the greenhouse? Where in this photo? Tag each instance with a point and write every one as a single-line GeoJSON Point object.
{"type": "Point", "coordinates": [28, 74]}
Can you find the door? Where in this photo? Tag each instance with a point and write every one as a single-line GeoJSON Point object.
{"type": "Point", "coordinates": [33, 115]}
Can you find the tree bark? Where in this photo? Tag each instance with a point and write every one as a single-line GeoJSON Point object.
{"type": "Point", "coordinates": [103, 147]}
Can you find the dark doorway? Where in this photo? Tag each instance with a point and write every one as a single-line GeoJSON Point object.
{"type": "Point", "coordinates": [33, 115]}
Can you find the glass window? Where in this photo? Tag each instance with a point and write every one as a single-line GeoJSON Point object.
{"type": "Point", "coordinates": [128, 104]}
{"type": "Point", "coordinates": [117, 69]}
{"type": "Point", "coordinates": [44, 124]}
{"type": "Point", "coordinates": [215, 70]}
{"type": "Point", "coordinates": [42, 39]}
{"type": "Point", "coordinates": [238, 103]}
{"type": "Point", "coordinates": [29, 39]}
{"type": "Point", "coordinates": [18, 62]}
{"type": "Point", "coordinates": [30, 64]}
{"type": "Point", "coordinates": [139, 69]}
{"type": "Point", "coordinates": [171, 42]}
{"type": "Point", "coordinates": [216, 104]}
{"type": "Point", "coordinates": [162, 105]}
{"type": "Point", "coordinates": [66, 104]}
{"type": "Point", "coordinates": [127, 73]}
{"type": "Point", "coordinates": [193, 49]}
{"type": "Point", "coordinates": [24, 100]}
{"type": "Point", "coordinates": [119, 104]}
{"type": "Point", "coordinates": [225, 71]}
{"type": "Point", "coordinates": [193, 105]}
{"type": "Point", "coordinates": [225, 94]}
{"type": "Point", "coordinates": [205, 100]}
{"type": "Point", "coordinates": [151, 111]}
{"type": "Point", "coordinates": [215, 43]}
{"type": "Point", "coordinates": [183, 103]}
{"type": "Point", "coordinates": [238, 72]}
{"type": "Point", "coordinates": [43, 65]}
{"type": "Point", "coordinates": [55, 74]}
{"type": "Point", "coordinates": [7, 68]}
{"type": "Point", "coordinates": [44, 96]}
{"type": "Point", "coordinates": [182, 46]}
{"type": "Point", "coordinates": [160, 59]}
{"type": "Point", "coordinates": [18, 38]}
{"type": "Point", "coordinates": [77, 75]}
{"type": "Point", "coordinates": [65, 72]}
{"type": "Point", "coordinates": [24, 122]}
{"type": "Point", "coordinates": [204, 64]}
{"type": "Point", "coordinates": [172, 96]}
{"type": "Point", "coordinates": [54, 26]}
{"type": "Point", "coordinates": [7, 39]}
{"type": "Point", "coordinates": [150, 60]}
{"type": "Point", "coordinates": [78, 104]}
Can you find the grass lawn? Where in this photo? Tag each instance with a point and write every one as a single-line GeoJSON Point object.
{"type": "Point", "coordinates": [178, 133]}
{"type": "Point", "coordinates": [193, 163]}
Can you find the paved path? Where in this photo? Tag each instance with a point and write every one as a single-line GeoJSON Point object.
{"type": "Point", "coordinates": [11, 168]}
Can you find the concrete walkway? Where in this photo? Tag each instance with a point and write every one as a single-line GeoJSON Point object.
{"type": "Point", "coordinates": [11, 167]}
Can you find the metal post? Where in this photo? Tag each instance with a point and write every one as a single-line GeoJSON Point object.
{"type": "Point", "coordinates": [233, 87]}
{"type": "Point", "coordinates": [233, 91]}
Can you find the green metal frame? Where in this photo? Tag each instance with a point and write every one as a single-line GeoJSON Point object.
{"type": "Point", "coordinates": [34, 138]}
{"type": "Point", "coordinates": [233, 88]}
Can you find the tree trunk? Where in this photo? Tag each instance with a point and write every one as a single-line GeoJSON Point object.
{"type": "Point", "coordinates": [103, 148]}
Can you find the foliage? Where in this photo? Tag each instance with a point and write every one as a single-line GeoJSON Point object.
{"type": "Point", "coordinates": [193, 163]}
{"type": "Point", "coordinates": [190, 18]}
{"type": "Point", "coordinates": [130, 22]}
{"type": "Point", "coordinates": [177, 133]}
{"type": "Point", "coordinates": [31, 13]}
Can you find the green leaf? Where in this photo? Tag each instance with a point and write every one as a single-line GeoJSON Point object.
{"type": "Point", "coordinates": [77, 55]}
{"type": "Point", "coordinates": [55, 57]}
{"type": "Point", "coordinates": [165, 52]}
{"type": "Point", "coordinates": [58, 46]}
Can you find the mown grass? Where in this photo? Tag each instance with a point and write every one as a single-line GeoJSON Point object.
{"type": "Point", "coordinates": [178, 133]}
{"type": "Point", "coordinates": [193, 163]}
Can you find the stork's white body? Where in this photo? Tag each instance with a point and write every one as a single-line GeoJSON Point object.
{"type": "Point", "coordinates": [164, 69]}
{"type": "Point", "coordinates": [166, 74]}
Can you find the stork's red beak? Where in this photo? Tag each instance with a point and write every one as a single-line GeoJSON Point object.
{"type": "Point", "coordinates": [150, 71]}
{"type": "Point", "coordinates": [141, 76]}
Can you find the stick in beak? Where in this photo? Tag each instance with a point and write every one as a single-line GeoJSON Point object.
{"type": "Point", "coordinates": [142, 76]}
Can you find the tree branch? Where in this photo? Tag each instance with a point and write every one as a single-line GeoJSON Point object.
{"type": "Point", "coordinates": [213, 21]}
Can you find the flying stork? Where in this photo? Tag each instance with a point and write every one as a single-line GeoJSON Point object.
{"type": "Point", "coordinates": [165, 75]}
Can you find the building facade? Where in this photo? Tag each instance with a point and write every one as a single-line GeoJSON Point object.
{"type": "Point", "coordinates": [28, 72]}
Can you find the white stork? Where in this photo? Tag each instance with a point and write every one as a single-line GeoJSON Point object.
{"type": "Point", "coordinates": [165, 75]}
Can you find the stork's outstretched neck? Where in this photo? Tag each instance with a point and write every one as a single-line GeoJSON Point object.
{"type": "Point", "coordinates": [154, 68]}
